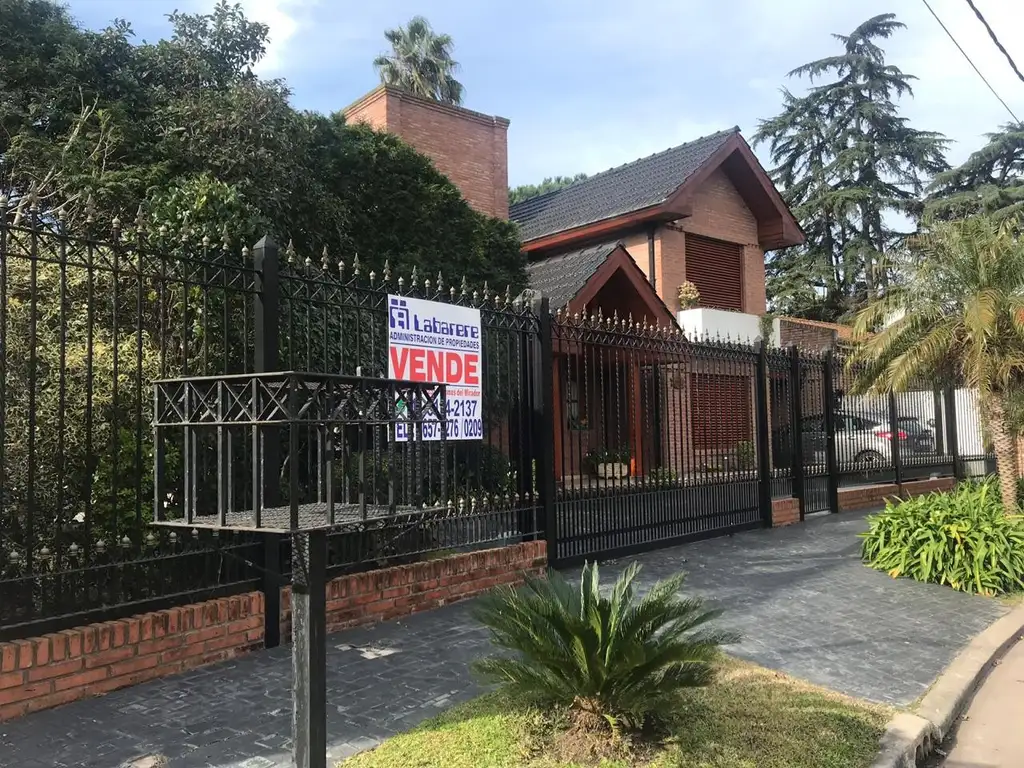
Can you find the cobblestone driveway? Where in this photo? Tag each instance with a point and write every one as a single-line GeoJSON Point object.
{"type": "Point", "coordinates": [800, 597]}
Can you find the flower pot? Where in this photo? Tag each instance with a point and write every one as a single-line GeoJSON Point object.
{"type": "Point", "coordinates": [612, 470]}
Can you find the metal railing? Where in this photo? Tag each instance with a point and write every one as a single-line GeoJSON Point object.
{"type": "Point", "coordinates": [600, 434]}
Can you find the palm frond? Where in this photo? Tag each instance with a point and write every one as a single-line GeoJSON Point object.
{"type": "Point", "coordinates": [623, 654]}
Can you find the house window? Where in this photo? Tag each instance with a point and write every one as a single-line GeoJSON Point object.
{"type": "Point", "coordinates": [716, 268]}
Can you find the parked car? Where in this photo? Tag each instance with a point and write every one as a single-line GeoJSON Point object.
{"type": "Point", "coordinates": [862, 439]}
{"type": "Point", "coordinates": [920, 438]}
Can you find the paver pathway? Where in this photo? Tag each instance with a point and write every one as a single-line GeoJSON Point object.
{"type": "Point", "coordinates": [990, 734]}
{"type": "Point", "coordinates": [799, 595]}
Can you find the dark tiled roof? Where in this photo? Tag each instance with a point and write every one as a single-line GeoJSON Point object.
{"type": "Point", "coordinates": [631, 187]}
{"type": "Point", "coordinates": [561, 277]}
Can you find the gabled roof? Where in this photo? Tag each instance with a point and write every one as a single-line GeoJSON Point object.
{"type": "Point", "coordinates": [643, 183]}
{"type": "Point", "coordinates": [660, 187]}
{"type": "Point", "coordinates": [572, 279]}
{"type": "Point", "coordinates": [561, 277]}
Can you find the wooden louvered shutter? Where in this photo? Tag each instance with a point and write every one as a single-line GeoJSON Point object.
{"type": "Point", "coordinates": [716, 268]}
{"type": "Point", "coordinates": [721, 411]}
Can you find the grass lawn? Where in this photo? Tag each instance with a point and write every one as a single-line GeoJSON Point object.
{"type": "Point", "coordinates": [750, 718]}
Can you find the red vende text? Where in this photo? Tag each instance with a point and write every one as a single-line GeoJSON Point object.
{"type": "Point", "coordinates": [436, 366]}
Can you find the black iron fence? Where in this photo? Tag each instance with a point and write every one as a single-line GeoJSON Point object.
{"type": "Point", "coordinates": [603, 435]}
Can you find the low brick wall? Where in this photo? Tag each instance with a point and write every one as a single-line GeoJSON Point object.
{"type": "Point", "coordinates": [43, 672]}
{"type": "Point", "coordinates": [785, 511]}
{"type": "Point", "coordinates": [876, 495]}
{"type": "Point", "coordinates": [913, 488]}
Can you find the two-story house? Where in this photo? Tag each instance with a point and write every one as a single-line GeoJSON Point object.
{"type": "Point", "coordinates": [623, 241]}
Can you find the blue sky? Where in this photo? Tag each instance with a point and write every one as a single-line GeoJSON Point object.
{"type": "Point", "coordinates": [590, 84]}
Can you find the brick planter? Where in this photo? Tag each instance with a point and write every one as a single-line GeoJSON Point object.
{"type": "Point", "coordinates": [42, 672]}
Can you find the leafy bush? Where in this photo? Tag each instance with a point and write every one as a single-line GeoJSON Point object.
{"type": "Point", "coordinates": [962, 539]}
{"type": "Point", "coordinates": [617, 660]}
{"type": "Point", "coordinates": [746, 455]}
{"type": "Point", "coordinates": [600, 456]}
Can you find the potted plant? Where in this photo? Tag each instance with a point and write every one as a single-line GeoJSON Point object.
{"type": "Point", "coordinates": [610, 463]}
{"type": "Point", "coordinates": [689, 296]}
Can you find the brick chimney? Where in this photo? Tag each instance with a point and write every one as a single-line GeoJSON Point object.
{"type": "Point", "coordinates": [468, 147]}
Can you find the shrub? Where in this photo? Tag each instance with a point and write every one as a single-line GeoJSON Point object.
{"type": "Point", "coordinates": [746, 454]}
{"type": "Point", "coordinates": [962, 539]}
{"type": "Point", "coordinates": [615, 659]}
{"type": "Point", "coordinates": [600, 456]}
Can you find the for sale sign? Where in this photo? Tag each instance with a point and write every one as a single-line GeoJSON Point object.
{"type": "Point", "coordinates": [438, 343]}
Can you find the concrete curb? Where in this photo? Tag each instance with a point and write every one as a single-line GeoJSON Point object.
{"type": "Point", "coordinates": [910, 736]}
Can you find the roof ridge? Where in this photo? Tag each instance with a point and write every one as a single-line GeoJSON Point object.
{"type": "Point", "coordinates": [607, 171]}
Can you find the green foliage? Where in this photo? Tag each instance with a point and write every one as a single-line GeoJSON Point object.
{"type": "Point", "coordinates": [663, 476]}
{"type": "Point", "coordinates": [846, 161]}
{"type": "Point", "coordinates": [183, 126]}
{"type": "Point", "coordinates": [598, 456]}
{"type": "Point", "coordinates": [957, 315]}
{"type": "Point", "coordinates": [421, 62]}
{"type": "Point", "coordinates": [746, 454]}
{"type": "Point", "coordinates": [550, 184]}
{"type": "Point", "coordinates": [990, 181]}
{"type": "Point", "coordinates": [615, 658]}
{"type": "Point", "coordinates": [473, 469]}
{"type": "Point", "coordinates": [961, 539]}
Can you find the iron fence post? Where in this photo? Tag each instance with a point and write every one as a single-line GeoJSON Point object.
{"type": "Point", "coordinates": [952, 432]}
{"type": "Point", "coordinates": [544, 426]}
{"type": "Point", "coordinates": [309, 649]}
{"type": "Point", "coordinates": [266, 359]}
{"type": "Point", "coordinates": [831, 460]}
{"type": "Point", "coordinates": [796, 419]}
{"type": "Point", "coordinates": [764, 461]}
{"type": "Point", "coordinates": [894, 438]}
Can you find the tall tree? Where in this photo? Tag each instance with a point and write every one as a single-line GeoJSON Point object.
{"type": "Point", "coordinates": [959, 312]}
{"type": "Point", "coordinates": [421, 62]}
{"type": "Point", "coordinates": [550, 184]}
{"type": "Point", "coordinates": [847, 162]}
{"type": "Point", "coordinates": [991, 180]}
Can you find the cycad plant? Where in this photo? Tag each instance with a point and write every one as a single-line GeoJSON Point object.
{"type": "Point", "coordinates": [615, 659]}
{"type": "Point", "coordinates": [958, 312]}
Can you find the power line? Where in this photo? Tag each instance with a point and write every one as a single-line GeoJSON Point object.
{"type": "Point", "coordinates": [992, 34]}
{"type": "Point", "coordinates": [973, 65]}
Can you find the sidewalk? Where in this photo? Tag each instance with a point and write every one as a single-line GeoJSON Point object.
{"type": "Point", "coordinates": [799, 596]}
{"type": "Point", "coordinates": [990, 735]}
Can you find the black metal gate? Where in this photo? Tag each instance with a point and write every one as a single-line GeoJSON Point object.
{"type": "Point", "coordinates": [654, 438]}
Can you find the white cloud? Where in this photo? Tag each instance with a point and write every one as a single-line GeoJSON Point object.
{"type": "Point", "coordinates": [284, 17]}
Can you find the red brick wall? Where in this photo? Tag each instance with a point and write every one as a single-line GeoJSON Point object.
{"type": "Point", "coordinates": [718, 211]}
{"type": "Point", "coordinates": [42, 672]}
{"type": "Point", "coordinates": [785, 511]}
{"type": "Point", "coordinates": [811, 335]}
{"type": "Point", "coordinates": [876, 495]}
{"type": "Point", "coordinates": [468, 147]}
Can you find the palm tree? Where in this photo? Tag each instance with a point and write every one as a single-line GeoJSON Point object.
{"type": "Point", "coordinates": [959, 313]}
{"type": "Point", "coordinates": [420, 62]}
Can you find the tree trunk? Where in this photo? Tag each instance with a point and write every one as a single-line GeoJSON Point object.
{"type": "Point", "coordinates": [1005, 444]}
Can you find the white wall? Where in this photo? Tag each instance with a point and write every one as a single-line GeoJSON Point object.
{"type": "Point", "coordinates": [719, 323]}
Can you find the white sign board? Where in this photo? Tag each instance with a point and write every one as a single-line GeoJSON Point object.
{"type": "Point", "coordinates": [437, 343]}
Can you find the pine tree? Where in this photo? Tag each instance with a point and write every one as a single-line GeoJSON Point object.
{"type": "Point", "coordinates": [991, 180]}
{"type": "Point", "coordinates": [847, 162]}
